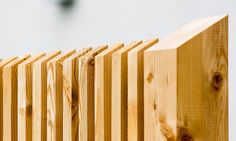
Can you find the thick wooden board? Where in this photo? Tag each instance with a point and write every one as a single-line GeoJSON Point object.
{"type": "Point", "coordinates": [25, 83]}
{"type": "Point", "coordinates": [2, 64]}
{"type": "Point", "coordinates": [9, 75]}
{"type": "Point", "coordinates": [55, 97]}
{"type": "Point", "coordinates": [136, 92]}
{"type": "Point", "coordinates": [71, 95]}
{"type": "Point", "coordinates": [39, 108]}
{"type": "Point", "coordinates": [186, 84]}
{"type": "Point", "coordinates": [120, 92]}
{"type": "Point", "coordinates": [86, 95]}
{"type": "Point", "coordinates": [103, 67]}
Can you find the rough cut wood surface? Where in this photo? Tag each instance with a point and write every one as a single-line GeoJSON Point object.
{"type": "Point", "coordinates": [39, 119]}
{"type": "Point", "coordinates": [86, 91]}
{"type": "Point", "coordinates": [10, 77]}
{"type": "Point", "coordinates": [186, 84]}
{"type": "Point", "coordinates": [120, 92]}
{"type": "Point", "coordinates": [71, 70]}
{"type": "Point", "coordinates": [103, 67]}
{"type": "Point", "coordinates": [135, 91]}
{"type": "Point", "coordinates": [25, 83]}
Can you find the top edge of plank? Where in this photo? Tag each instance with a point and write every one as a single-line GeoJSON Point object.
{"type": "Point", "coordinates": [6, 61]}
{"type": "Point", "coordinates": [32, 59]}
{"type": "Point", "coordinates": [62, 56]}
{"type": "Point", "coordinates": [129, 47]}
{"type": "Point", "coordinates": [111, 49]}
{"type": "Point", "coordinates": [187, 32]}
{"type": "Point", "coordinates": [79, 53]}
{"type": "Point", "coordinates": [145, 45]}
{"type": "Point", "coordinates": [18, 60]}
{"type": "Point", "coordinates": [49, 56]}
{"type": "Point", "coordinates": [96, 51]}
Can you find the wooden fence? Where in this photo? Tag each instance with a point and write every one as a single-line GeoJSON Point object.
{"type": "Point", "coordinates": [175, 89]}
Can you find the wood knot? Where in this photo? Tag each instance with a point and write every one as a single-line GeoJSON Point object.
{"type": "Point", "coordinates": [184, 134]}
{"type": "Point", "coordinates": [149, 78]}
{"type": "Point", "coordinates": [217, 81]}
{"type": "Point", "coordinates": [166, 130]}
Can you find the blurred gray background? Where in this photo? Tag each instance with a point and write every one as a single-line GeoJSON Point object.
{"type": "Point", "coordinates": [34, 26]}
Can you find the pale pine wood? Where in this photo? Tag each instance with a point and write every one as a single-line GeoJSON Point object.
{"type": "Point", "coordinates": [9, 75]}
{"type": "Point", "coordinates": [71, 95]}
{"type": "Point", "coordinates": [25, 83]}
{"type": "Point", "coordinates": [86, 95]}
{"type": "Point", "coordinates": [2, 64]}
{"type": "Point", "coordinates": [103, 67]}
{"type": "Point", "coordinates": [186, 84]}
{"type": "Point", "coordinates": [39, 108]}
{"type": "Point", "coordinates": [55, 97]}
{"type": "Point", "coordinates": [120, 92]}
{"type": "Point", "coordinates": [136, 92]}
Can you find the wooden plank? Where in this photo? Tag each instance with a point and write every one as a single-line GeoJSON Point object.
{"type": "Point", "coordinates": [120, 92]}
{"type": "Point", "coordinates": [2, 64]}
{"type": "Point", "coordinates": [39, 108]}
{"type": "Point", "coordinates": [25, 83]}
{"type": "Point", "coordinates": [70, 95]}
{"type": "Point", "coordinates": [9, 75]}
{"type": "Point", "coordinates": [86, 97]}
{"type": "Point", "coordinates": [186, 83]}
{"type": "Point", "coordinates": [103, 67]}
{"type": "Point", "coordinates": [55, 97]}
{"type": "Point", "coordinates": [135, 91]}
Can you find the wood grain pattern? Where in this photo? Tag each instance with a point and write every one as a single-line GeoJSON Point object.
{"type": "Point", "coordinates": [55, 97]}
{"type": "Point", "coordinates": [120, 92]}
{"type": "Point", "coordinates": [186, 84]}
{"type": "Point", "coordinates": [71, 78]}
{"type": "Point", "coordinates": [25, 83]}
{"type": "Point", "coordinates": [86, 97]}
{"type": "Point", "coordinates": [39, 108]}
{"type": "Point", "coordinates": [2, 64]}
{"type": "Point", "coordinates": [136, 92]}
{"type": "Point", "coordinates": [9, 75]}
{"type": "Point", "coordinates": [103, 66]}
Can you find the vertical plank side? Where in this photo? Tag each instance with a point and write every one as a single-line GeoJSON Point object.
{"type": "Point", "coordinates": [2, 64]}
{"type": "Point", "coordinates": [25, 98]}
{"type": "Point", "coordinates": [10, 99]}
{"type": "Point", "coordinates": [135, 91]}
{"type": "Point", "coordinates": [86, 95]}
{"type": "Point", "coordinates": [39, 108]}
{"type": "Point", "coordinates": [71, 95]}
{"type": "Point", "coordinates": [120, 92]}
{"type": "Point", "coordinates": [55, 97]}
{"type": "Point", "coordinates": [103, 67]}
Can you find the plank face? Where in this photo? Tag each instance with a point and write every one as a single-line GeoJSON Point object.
{"type": "Point", "coordinates": [103, 69]}
{"type": "Point", "coordinates": [2, 64]}
{"type": "Point", "coordinates": [9, 75]}
{"type": "Point", "coordinates": [25, 83]}
{"type": "Point", "coordinates": [55, 97]}
{"type": "Point", "coordinates": [120, 92]}
{"type": "Point", "coordinates": [186, 84]}
{"type": "Point", "coordinates": [71, 95]}
{"type": "Point", "coordinates": [136, 92]}
{"type": "Point", "coordinates": [86, 97]}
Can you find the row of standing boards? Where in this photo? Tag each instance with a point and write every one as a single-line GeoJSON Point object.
{"type": "Point", "coordinates": [175, 89]}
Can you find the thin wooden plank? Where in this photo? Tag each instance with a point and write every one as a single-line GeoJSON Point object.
{"type": "Point", "coordinates": [25, 83]}
{"type": "Point", "coordinates": [55, 97]}
{"type": "Point", "coordinates": [39, 108]}
{"type": "Point", "coordinates": [136, 92]}
{"type": "Point", "coordinates": [86, 97]}
{"type": "Point", "coordinates": [186, 83]}
{"type": "Point", "coordinates": [2, 64]}
{"type": "Point", "coordinates": [9, 75]}
{"type": "Point", "coordinates": [120, 92]}
{"type": "Point", "coordinates": [103, 83]}
{"type": "Point", "coordinates": [71, 78]}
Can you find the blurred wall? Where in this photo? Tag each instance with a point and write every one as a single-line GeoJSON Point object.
{"type": "Point", "coordinates": [33, 26]}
